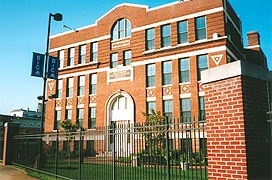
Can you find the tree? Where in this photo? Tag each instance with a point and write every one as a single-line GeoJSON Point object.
{"type": "Point", "coordinates": [69, 128]}
{"type": "Point", "coordinates": [154, 134]}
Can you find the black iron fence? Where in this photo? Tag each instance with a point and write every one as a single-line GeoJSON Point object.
{"type": "Point", "coordinates": [1, 141]}
{"type": "Point", "coordinates": [121, 151]}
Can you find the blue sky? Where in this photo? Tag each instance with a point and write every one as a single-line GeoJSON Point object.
{"type": "Point", "coordinates": [24, 30]}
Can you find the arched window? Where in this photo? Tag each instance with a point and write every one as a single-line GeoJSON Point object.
{"type": "Point", "coordinates": [121, 29]}
{"type": "Point", "coordinates": [120, 109]}
{"type": "Point", "coordinates": [120, 104]}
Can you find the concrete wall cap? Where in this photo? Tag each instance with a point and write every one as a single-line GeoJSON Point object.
{"type": "Point", "coordinates": [237, 68]}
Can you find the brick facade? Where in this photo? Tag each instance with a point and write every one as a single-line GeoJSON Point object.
{"type": "Point", "coordinates": [227, 101]}
{"type": "Point", "coordinates": [225, 129]}
{"type": "Point", "coordinates": [236, 126]}
{"type": "Point", "coordinates": [216, 46]}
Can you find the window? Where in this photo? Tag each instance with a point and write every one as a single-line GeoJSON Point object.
{"type": "Point", "coordinates": [166, 73]}
{"type": "Point", "coordinates": [202, 115]}
{"type": "Point", "coordinates": [151, 75]}
{"type": "Point", "coordinates": [168, 109]}
{"type": "Point", "coordinates": [70, 87]}
{"type": "Point", "coordinates": [59, 90]}
{"type": "Point", "coordinates": [127, 58]}
{"type": "Point", "coordinates": [61, 58]}
{"type": "Point", "coordinates": [66, 145]}
{"type": "Point", "coordinates": [68, 114]}
{"type": "Point", "coordinates": [184, 70]}
{"type": "Point", "coordinates": [202, 64]}
{"type": "Point", "coordinates": [81, 85]}
{"type": "Point", "coordinates": [121, 29]}
{"type": "Point", "coordinates": [94, 51]}
{"type": "Point", "coordinates": [150, 39]}
{"type": "Point", "coordinates": [93, 82]}
{"type": "Point", "coordinates": [90, 148]}
{"type": "Point", "coordinates": [182, 32]}
{"type": "Point", "coordinates": [185, 105]}
{"type": "Point", "coordinates": [80, 116]}
{"type": "Point", "coordinates": [150, 105]}
{"type": "Point", "coordinates": [71, 57]}
{"type": "Point", "coordinates": [165, 36]}
{"type": "Point", "coordinates": [203, 145]}
{"type": "Point", "coordinates": [186, 145]}
{"type": "Point", "coordinates": [200, 28]}
{"type": "Point", "coordinates": [76, 145]}
{"type": "Point", "coordinates": [120, 103]}
{"type": "Point", "coordinates": [82, 55]}
{"type": "Point", "coordinates": [114, 60]}
{"type": "Point", "coordinates": [57, 120]}
{"type": "Point", "coordinates": [92, 118]}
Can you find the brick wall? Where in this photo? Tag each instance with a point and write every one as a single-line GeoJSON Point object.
{"type": "Point", "coordinates": [226, 141]}
{"type": "Point", "coordinates": [238, 134]}
{"type": "Point", "coordinates": [255, 103]}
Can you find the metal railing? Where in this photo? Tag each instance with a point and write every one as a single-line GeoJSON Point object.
{"type": "Point", "coordinates": [121, 151]}
{"type": "Point", "coordinates": [1, 142]}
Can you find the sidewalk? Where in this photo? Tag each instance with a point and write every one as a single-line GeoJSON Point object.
{"type": "Point", "coordinates": [12, 173]}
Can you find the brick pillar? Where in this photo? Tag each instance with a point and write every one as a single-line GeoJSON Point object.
{"type": "Point", "coordinates": [11, 129]}
{"type": "Point", "coordinates": [236, 103]}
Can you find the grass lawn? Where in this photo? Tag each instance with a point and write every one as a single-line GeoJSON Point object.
{"type": "Point", "coordinates": [122, 171]}
{"type": "Point", "coordinates": [40, 176]}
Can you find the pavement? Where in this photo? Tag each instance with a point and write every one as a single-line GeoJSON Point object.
{"type": "Point", "coordinates": [13, 173]}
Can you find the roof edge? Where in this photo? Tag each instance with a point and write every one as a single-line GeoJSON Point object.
{"type": "Point", "coordinates": [119, 5]}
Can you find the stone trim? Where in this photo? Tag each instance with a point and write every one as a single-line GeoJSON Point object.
{"type": "Point", "coordinates": [237, 68]}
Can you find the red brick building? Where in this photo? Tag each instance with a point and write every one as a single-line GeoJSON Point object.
{"type": "Point", "coordinates": [135, 58]}
{"type": "Point", "coordinates": [185, 59]}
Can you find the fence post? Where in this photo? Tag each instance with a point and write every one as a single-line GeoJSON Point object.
{"type": "Point", "coordinates": [114, 160]}
{"type": "Point", "coordinates": [57, 153]}
{"type": "Point", "coordinates": [80, 152]}
{"type": "Point", "coordinates": [167, 148]}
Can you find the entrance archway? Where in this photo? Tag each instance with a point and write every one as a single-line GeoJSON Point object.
{"type": "Point", "coordinates": [120, 111]}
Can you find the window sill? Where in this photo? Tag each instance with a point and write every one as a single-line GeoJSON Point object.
{"type": "Point", "coordinates": [91, 129]}
{"type": "Point", "coordinates": [184, 83]}
{"type": "Point", "coordinates": [152, 87]}
{"type": "Point", "coordinates": [201, 40]}
{"type": "Point", "coordinates": [167, 85]}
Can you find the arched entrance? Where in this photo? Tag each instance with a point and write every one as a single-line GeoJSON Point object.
{"type": "Point", "coordinates": [120, 111]}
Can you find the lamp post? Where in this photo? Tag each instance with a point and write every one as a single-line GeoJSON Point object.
{"type": "Point", "coordinates": [56, 17]}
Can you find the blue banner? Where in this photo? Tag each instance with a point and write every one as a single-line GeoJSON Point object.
{"type": "Point", "coordinates": [37, 65]}
{"type": "Point", "coordinates": [53, 65]}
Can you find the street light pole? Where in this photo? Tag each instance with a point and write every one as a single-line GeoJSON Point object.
{"type": "Point", "coordinates": [57, 17]}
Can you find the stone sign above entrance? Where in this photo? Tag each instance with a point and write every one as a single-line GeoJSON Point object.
{"type": "Point", "coordinates": [120, 73]}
